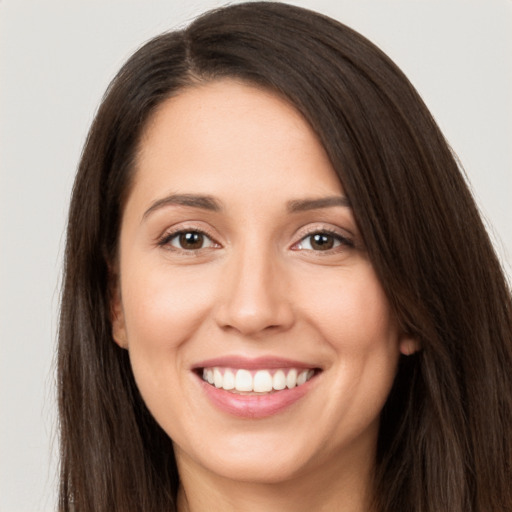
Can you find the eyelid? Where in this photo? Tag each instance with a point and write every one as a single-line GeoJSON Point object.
{"type": "Point", "coordinates": [184, 227]}
{"type": "Point", "coordinates": [346, 240]}
{"type": "Point", "coordinates": [343, 236]}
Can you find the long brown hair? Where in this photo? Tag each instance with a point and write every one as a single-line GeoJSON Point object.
{"type": "Point", "coordinates": [445, 441]}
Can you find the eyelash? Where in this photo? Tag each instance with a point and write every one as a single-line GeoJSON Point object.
{"type": "Point", "coordinates": [343, 241]}
{"type": "Point", "coordinates": [166, 240]}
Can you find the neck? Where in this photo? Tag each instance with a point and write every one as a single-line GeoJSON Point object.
{"type": "Point", "coordinates": [344, 488]}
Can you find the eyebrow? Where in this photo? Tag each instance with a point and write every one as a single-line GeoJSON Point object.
{"type": "Point", "coordinates": [211, 204]}
{"type": "Point", "coordinates": [301, 205]}
{"type": "Point", "coordinates": [192, 200]}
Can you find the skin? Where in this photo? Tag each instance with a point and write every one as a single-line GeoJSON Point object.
{"type": "Point", "coordinates": [256, 287]}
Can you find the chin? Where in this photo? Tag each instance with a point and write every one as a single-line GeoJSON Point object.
{"type": "Point", "coordinates": [260, 470]}
{"type": "Point", "coordinates": [260, 458]}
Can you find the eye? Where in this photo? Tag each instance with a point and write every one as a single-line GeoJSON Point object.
{"type": "Point", "coordinates": [322, 241]}
{"type": "Point", "coordinates": [189, 240]}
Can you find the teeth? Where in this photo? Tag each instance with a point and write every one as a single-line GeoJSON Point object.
{"type": "Point", "coordinates": [262, 381]}
{"type": "Point", "coordinates": [208, 375]}
{"type": "Point", "coordinates": [279, 380]}
{"type": "Point", "coordinates": [217, 378]}
{"type": "Point", "coordinates": [291, 379]}
{"type": "Point", "coordinates": [243, 380]}
{"type": "Point", "coordinates": [229, 380]}
{"type": "Point", "coordinates": [301, 379]}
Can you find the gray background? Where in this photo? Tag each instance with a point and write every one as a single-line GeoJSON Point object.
{"type": "Point", "coordinates": [56, 59]}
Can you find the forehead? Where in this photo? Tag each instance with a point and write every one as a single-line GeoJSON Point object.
{"type": "Point", "coordinates": [226, 134]}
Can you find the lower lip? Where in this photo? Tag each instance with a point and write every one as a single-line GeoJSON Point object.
{"type": "Point", "coordinates": [254, 406]}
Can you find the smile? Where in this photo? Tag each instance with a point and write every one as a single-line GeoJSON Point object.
{"type": "Point", "coordinates": [256, 381]}
{"type": "Point", "coordinates": [255, 388]}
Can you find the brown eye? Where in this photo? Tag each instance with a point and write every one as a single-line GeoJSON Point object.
{"type": "Point", "coordinates": [191, 240]}
{"type": "Point", "coordinates": [188, 241]}
{"type": "Point", "coordinates": [322, 242]}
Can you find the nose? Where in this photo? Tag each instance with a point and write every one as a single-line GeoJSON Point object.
{"type": "Point", "coordinates": [255, 298]}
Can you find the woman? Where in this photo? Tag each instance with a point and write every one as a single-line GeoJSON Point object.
{"type": "Point", "coordinates": [278, 291]}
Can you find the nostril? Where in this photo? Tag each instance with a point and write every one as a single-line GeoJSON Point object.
{"type": "Point", "coordinates": [253, 321]}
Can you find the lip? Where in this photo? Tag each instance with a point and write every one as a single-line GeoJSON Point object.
{"type": "Point", "coordinates": [265, 362]}
{"type": "Point", "coordinates": [253, 406]}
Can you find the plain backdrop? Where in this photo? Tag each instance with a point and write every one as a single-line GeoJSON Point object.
{"type": "Point", "coordinates": [56, 59]}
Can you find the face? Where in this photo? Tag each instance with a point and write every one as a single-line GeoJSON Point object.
{"type": "Point", "coordinates": [258, 333]}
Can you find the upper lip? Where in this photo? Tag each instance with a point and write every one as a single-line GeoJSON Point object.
{"type": "Point", "coordinates": [233, 361]}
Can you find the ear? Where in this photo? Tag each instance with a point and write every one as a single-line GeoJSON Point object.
{"type": "Point", "coordinates": [409, 345]}
{"type": "Point", "coordinates": [117, 313]}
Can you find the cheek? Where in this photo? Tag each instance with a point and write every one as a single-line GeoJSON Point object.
{"type": "Point", "coordinates": [163, 310]}
{"type": "Point", "coordinates": [354, 318]}
{"type": "Point", "coordinates": [162, 307]}
{"type": "Point", "coordinates": [352, 312]}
